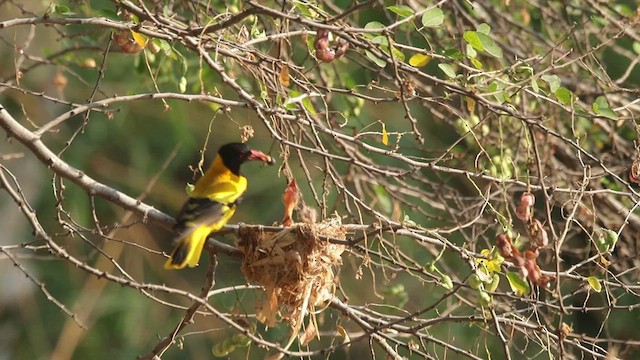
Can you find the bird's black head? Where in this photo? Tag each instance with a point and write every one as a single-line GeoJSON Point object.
{"type": "Point", "coordinates": [234, 154]}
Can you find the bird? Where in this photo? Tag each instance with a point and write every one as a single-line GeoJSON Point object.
{"type": "Point", "coordinates": [212, 202]}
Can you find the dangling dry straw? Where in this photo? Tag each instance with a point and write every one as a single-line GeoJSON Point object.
{"type": "Point", "coordinates": [295, 267]}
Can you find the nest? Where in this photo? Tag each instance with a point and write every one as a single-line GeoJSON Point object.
{"type": "Point", "coordinates": [295, 266]}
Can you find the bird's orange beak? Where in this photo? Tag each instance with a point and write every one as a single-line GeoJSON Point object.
{"type": "Point", "coordinates": [259, 155]}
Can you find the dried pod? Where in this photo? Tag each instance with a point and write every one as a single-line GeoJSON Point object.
{"type": "Point", "coordinates": [544, 281]}
{"type": "Point", "coordinates": [126, 42]}
{"type": "Point", "coordinates": [323, 50]}
{"type": "Point", "coordinates": [537, 235]}
{"type": "Point", "coordinates": [505, 247]}
{"type": "Point", "coordinates": [523, 210]}
{"type": "Point", "coordinates": [634, 173]}
{"type": "Point", "coordinates": [88, 63]}
{"type": "Point", "coordinates": [60, 81]}
{"type": "Point", "coordinates": [533, 271]}
{"type": "Point", "coordinates": [341, 48]}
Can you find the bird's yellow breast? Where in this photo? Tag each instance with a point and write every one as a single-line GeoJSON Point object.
{"type": "Point", "coordinates": [220, 184]}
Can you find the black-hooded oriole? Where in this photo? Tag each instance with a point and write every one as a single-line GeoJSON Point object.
{"type": "Point", "coordinates": [211, 203]}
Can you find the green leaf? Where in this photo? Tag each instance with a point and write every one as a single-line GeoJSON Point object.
{"type": "Point", "coordinates": [433, 18]}
{"type": "Point", "coordinates": [419, 60]}
{"type": "Point", "coordinates": [553, 81]}
{"type": "Point", "coordinates": [636, 47]}
{"type": "Point", "coordinates": [485, 299]}
{"type": "Point", "coordinates": [489, 45]}
{"type": "Point", "coordinates": [183, 84]}
{"type": "Point", "coordinates": [606, 240]}
{"type": "Point", "coordinates": [164, 45]}
{"type": "Point", "coordinates": [496, 88]}
{"type": "Point", "coordinates": [519, 285]}
{"type": "Point", "coordinates": [308, 105]}
{"type": "Point", "coordinates": [455, 54]}
{"type": "Point", "coordinates": [474, 281]}
{"type": "Point", "coordinates": [473, 39]}
{"type": "Point", "coordinates": [397, 291]}
{"type": "Point", "coordinates": [373, 25]}
{"type": "Point", "coordinates": [380, 40]}
{"type": "Point", "coordinates": [294, 98]}
{"type": "Point", "coordinates": [625, 10]}
{"type": "Point", "coordinates": [62, 10]}
{"type": "Point", "coordinates": [401, 10]}
{"type": "Point", "coordinates": [601, 107]}
{"type": "Point", "coordinates": [600, 103]}
{"type": "Point", "coordinates": [108, 13]}
{"type": "Point", "coordinates": [477, 64]}
{"type": "Point", "coordinates": [397, 54]}
{"type": "Point", "coordinates": [495, 281]}
{"type": "Point", "coordinates": [446, 282]}
{"type": "Point", "coordinates": [483, 29]}
{"type": "Point", "coordinates": [306, 10]}
{"type": "Point", "coordinates": [534, 85]}
{"type": "Point", "coordinates": [564, 95]}
{"type": "Point", "coordinates": [610, 238]}
{"type": "Point", "coordinates": [594, 283]}
{"type": "Point", "coordinates": [241, 340]}
{"type": "Point", "coordinates": [383, 198]}
{"type": "Point", "coordinates": [375, 59]}
{"type": "Point", "coordinates": [609, 114]}
{"type": "Point", "coordinates": [447, 70]}
{"type": "Point", "coordinates": [471, 52]}
{"type": "Point", "coordinates": [482, 42]}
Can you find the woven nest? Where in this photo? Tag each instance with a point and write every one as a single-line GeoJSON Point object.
{"type": "Point", "coordinates": [295, 266]}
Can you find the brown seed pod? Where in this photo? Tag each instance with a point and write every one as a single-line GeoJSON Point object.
{"type": "Point", "coordinates": [60, 81]}
{"type": "Point", "coordinates": [634, 173]}
{"type": "Point", "coordinates": [505, 247]}
{"type": "Point", "coordinates": [523, 211]}
{"type": "Point", "coordinates": [537, 235]}
{"type": "Point", "coordinates": [125, 41]}
{"type": "Point", "coordinates": [324, 52]}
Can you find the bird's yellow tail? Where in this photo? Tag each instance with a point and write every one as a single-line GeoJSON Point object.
{"type": "Point", "coordinates": [188, 249]}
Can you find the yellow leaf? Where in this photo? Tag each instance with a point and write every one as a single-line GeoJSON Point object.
{"type": "Point", "coordinates": [139, 38]}
{"type": "Point", "coordinates": [385, 136]}
{"type": "Point", "coordinates": [471, 104]}
{"type": "Point", "coordinates": [419, 60]}
{"type": "Point", "coordinates": [343, 332]}
{"type": "Point", "coordinates": [284, 76]}
{"type": "Point", "coordinates": [594, 283]}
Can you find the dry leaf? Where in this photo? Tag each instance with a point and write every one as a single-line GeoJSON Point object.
{"type": "Point", "coordinates": [284, 76]}
{"type": "Point", "coordinates": [139, 39]}
{"type": "Point", "coordinates": [343, 332]}
{"type": "Point", "coordinates": [309, 333]}
{"type": "Point", "coordinates": [385, 135]}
